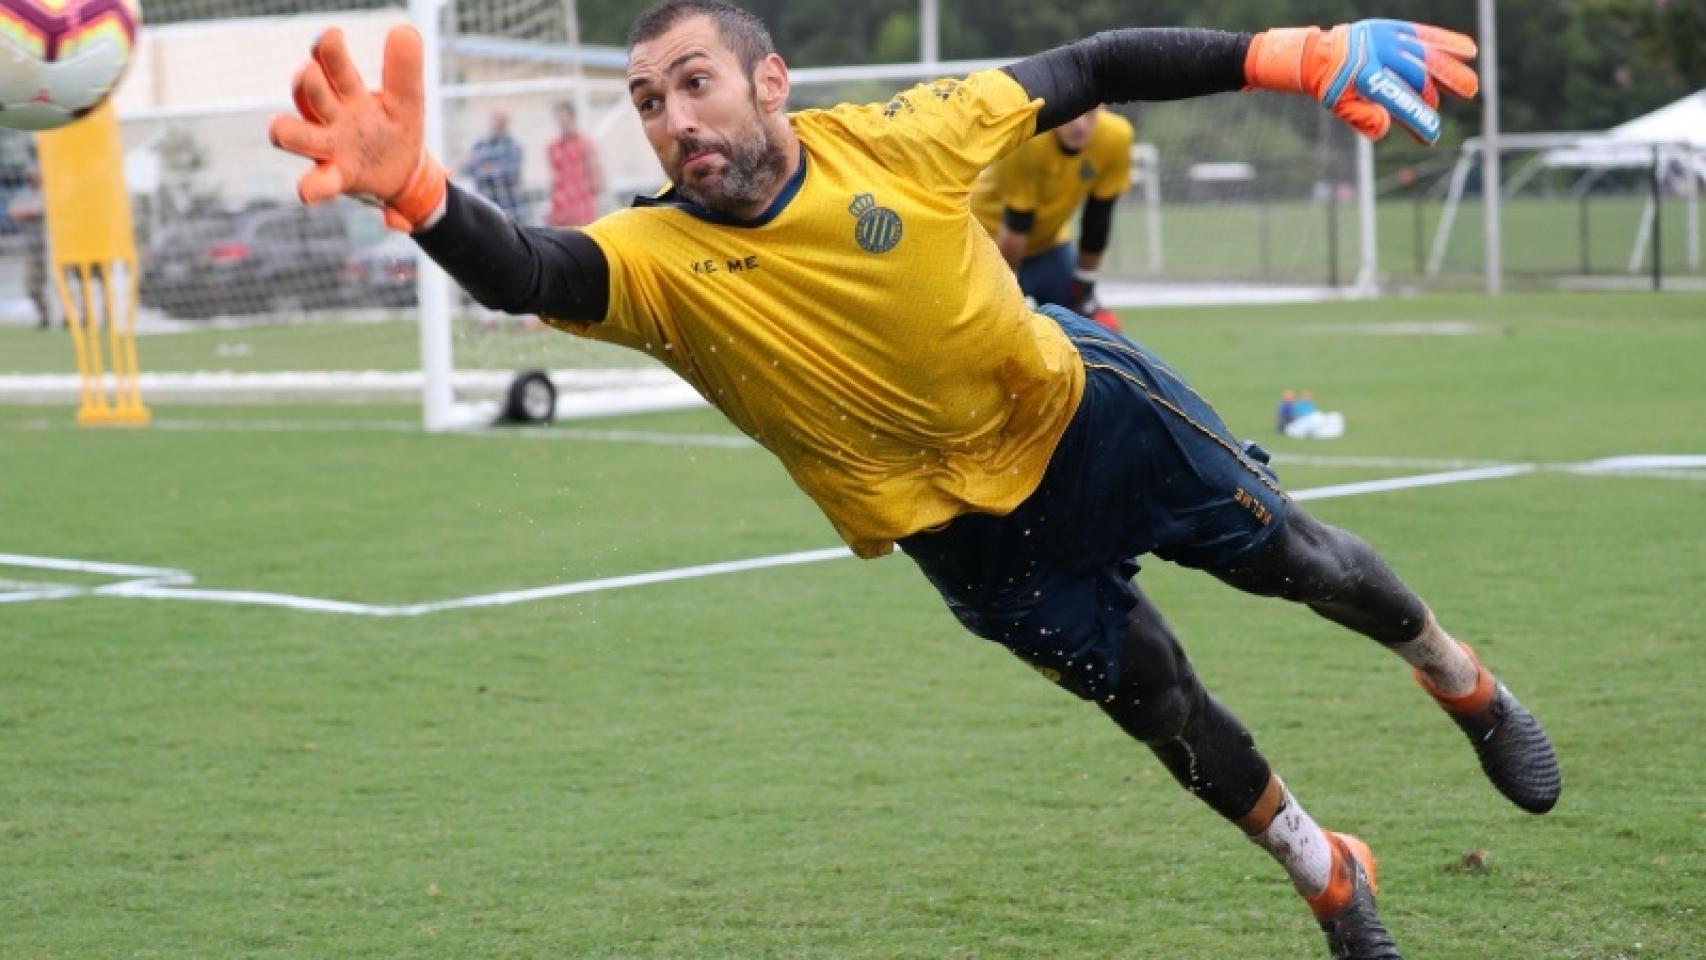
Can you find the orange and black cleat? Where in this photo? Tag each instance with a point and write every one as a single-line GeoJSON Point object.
{"type": "Point", "coordinates": [1514, 751]}
{"type": "Point", "coordinates": [1345, 909]}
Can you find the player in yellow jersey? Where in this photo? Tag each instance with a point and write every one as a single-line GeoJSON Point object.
{"type": "Point", "coordinates": [1028, 199]}
{"type": "Point", "coordinates": [819, 278]}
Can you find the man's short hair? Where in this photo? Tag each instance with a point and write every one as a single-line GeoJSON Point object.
{"type": "Point", "coordinates": [741, 31]}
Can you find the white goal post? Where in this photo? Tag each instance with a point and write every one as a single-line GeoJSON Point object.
{"type": "Point", "coordinates": [222, 238]}
{"type": "Point", "coordinates": [1679, 168]}
{"type": "Point", "coordinates": [868, 82]}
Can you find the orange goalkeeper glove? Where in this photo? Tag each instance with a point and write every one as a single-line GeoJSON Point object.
{"type": "Point", "coordinates": [365, 144]}
{"type": "Point", "coordinates": [1369, 73]}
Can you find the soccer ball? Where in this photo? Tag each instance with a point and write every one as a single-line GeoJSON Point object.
{"type": "Point", "coordinates": [60, 58]}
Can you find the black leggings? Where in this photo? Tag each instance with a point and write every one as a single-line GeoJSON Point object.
{"type": "Point", "coordinates": [1337, 574]}
{"type": "Point", "coordinates": [1161, 702]}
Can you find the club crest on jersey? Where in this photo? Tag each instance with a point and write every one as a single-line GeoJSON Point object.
{"type": "Point", "coordinates": [878, 228]}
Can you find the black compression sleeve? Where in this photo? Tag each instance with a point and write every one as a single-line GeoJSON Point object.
{"type": "Point", "coordinates": [516, 269]}
{"type": "Point", "coordinates": [1018, 221]}
{"type": "Point", "coordinates": [1098, 221]}
{"type": "Point", "coordinates": [1170, 63]}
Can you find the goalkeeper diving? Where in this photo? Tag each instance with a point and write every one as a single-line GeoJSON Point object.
{"type": "Point", "coordinates": [818, 277]}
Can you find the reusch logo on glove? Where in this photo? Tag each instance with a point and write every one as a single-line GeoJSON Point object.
{"type": "Point", "coordinates": [1394, 94]}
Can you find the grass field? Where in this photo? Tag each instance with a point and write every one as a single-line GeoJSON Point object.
{"type": "Point", "coordinates": [814, 760]}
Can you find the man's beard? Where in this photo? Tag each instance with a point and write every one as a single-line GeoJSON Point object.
{"type": "Point", "coordinates": [752, 165]}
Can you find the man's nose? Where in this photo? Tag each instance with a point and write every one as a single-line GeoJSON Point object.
{"type": "Point", "coordinates": [681, 119]}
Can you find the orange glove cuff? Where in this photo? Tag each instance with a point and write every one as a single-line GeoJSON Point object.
{"type": "Point", "coordinates": [420, 196]}
{"type": "Point", "coordinates": [1276, 59]}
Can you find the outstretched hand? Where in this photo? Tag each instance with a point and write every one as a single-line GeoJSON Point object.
{"type": "Point", "coordinates": [1369, 73]}
{"type": "Point", "coordinates": [363, 143]}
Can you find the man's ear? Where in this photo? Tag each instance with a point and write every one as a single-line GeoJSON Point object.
{"type": "Point", "coordinates": [770, 83]}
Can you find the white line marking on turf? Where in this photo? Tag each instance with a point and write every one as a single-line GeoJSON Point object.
{"type": "Point", "coordinates": [653, 437]}
{"type": "Point", "coordinates": [1641, 463]}
{"type": "Point", "coordinates": [1668, 466]}
{"type": "Point", "coordinates": [730, 440]}
{"type": "Point", "coordinates": [249, 426]}
{"type": "Point", "coordinates": [632, 580]}
{"type": "Point", "coordinates": [54, 593]}
{"type": "Point", "coordinates": [164, 583]}
{"type": "Point", "coordinates": [1407, 483]}
{"type": "Point", "coordinates": [1383, 463]}
{"type": "Point", "coordinates": [176, 587]}
{"type": "Point", "coordinates": [155, 590]}
{"type": "Point", "coordinates": [86, 566]}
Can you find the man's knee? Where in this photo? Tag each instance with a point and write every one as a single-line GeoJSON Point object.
{"type": "Point", "coordinates": [1158, 692]}
{"type": "Point", "coordinates": [1156, 717]}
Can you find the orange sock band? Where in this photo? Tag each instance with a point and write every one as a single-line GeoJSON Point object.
{"type": "Point", "coordinates": [1267, 806]}
{"type": "Point", "coordinates": [1342, 883]}
{"type": "Point", "coordinates": [1476, 699]}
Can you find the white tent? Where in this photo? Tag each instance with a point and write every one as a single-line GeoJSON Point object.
{"type": "Point", "coordinates": [1681, 124]}
{"type": "Point", "coordinates": [1671, 139]}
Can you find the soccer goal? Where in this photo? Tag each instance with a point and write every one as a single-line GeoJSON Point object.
{"type": "Point", "coordinates": [246, 295]}
{"type": "Point", "coordinates": [1580, 210]}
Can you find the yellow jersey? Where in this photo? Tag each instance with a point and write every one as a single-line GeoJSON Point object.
{"type": "Point", "coordinates": [864, 329]}
{"type": "Point", "coordinates": [1044, 179]}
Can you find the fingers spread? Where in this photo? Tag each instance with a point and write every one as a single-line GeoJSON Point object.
{"type": "Point", "coordinates": [320, 184]}
{"type": "Point", "coordinates": [1458, 79]}
{"type": "Point", "coordinates": [1446, 41]}
{"type": "Point", "coordinates": [313, 94]}
{"type": "Point", "coordinates": [1409, 68]}
{"type": "Point", "coordinates": [402, 80]}
{"type": "Point", "coordinates": [333, 55]}
{"type": "Point", "coordinates": [298, 136]}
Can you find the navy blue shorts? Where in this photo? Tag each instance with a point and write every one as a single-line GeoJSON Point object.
{"type": "Point", "coordinates": [1047, 277]}
{"type": "Point", "coordinates": [1146, 466]}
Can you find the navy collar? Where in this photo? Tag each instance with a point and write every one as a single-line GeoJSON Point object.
{"type": "Point", "coordinates": [670, 198]}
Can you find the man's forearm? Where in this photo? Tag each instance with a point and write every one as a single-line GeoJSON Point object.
{"type": "Point", "coordinates": [1096, 224]}
{"type": "Point", "coordinates": [1139, 64]}
{"type": "Point", "coordinates": [556, 273]}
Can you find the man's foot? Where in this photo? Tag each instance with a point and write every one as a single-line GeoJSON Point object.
{"type": "Point", "coordinates": [1514, 751]}
{"type": "Point", "coordinates": [1345, 909]}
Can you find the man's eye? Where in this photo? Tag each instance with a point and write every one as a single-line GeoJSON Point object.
{"type": "Point", "coordinates": [697, 83]}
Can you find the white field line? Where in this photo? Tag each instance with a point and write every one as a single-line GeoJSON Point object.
{"type": "Point", "coordinates": [46, 593]}
{"type": "Point", "coordinates": [145, 589]}
{"type": "Point", "coordinates": [86, 566]}
{"type": "Point", "coordinates": [733, 441]}
{"type": "Point", "coordinates": [1407, 483]}
{"type": "Point", "coordinates": [653, 437]}
{"type": "Point", "coordinates": [167, 584]}
{"type": "Point", "coordinates": [1663, 466]}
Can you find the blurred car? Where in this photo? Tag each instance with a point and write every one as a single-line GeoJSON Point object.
{"type": "Point", "coordinates": [264, 259]}
{"type": "Point", "coordinates": [382, 274]}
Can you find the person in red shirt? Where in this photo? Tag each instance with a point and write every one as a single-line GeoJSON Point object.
{"type": "Point", "coordinates": [576, 180]}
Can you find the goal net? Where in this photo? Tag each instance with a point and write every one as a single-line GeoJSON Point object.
{"type": "Point", "coordinates": [1583, 211]}
{"type": "Point", "coordinates": [247, 295]}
